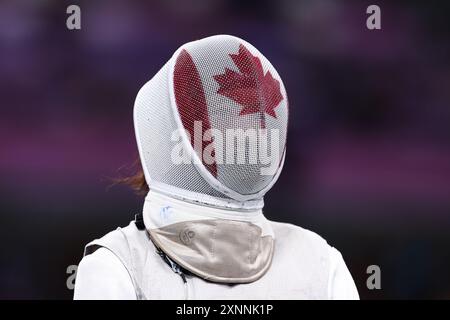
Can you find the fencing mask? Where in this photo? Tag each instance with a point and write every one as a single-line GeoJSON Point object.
{"type": "Point", "coordinates": [211, 132]}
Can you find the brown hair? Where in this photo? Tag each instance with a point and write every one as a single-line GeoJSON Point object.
{"type": "Point", "coordinates": [135, 181]}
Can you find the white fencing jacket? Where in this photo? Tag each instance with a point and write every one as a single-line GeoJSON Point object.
{"type": "Point", "coordinates": [124, 264]}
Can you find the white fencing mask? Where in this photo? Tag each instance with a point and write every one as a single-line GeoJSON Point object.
{"type": "Point", "coordinates": [211, 131]}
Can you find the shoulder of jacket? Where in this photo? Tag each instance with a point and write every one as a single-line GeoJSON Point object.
{"type": "Point", "coordinates": [294, 234]}
{"type": "Point", "coordinates": [124, 238]}
{"type": "Point", "coordinates": [129, 245]}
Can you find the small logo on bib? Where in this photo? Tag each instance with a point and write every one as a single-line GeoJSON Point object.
{"type": "Point", "coordinates": [186, 236]}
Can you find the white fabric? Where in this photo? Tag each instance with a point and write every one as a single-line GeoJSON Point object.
{"type": "Point", "coordinates": [101, 275]}
{"type": "Point", "coordinates": [340, 284]}
{"type": "Point", "coordinates": [161, 210]}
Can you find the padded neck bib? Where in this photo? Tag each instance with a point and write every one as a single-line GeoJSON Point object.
{"type": "Point", "coordinates": [215, 244]}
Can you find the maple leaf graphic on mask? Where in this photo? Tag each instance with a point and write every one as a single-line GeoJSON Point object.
{"type": "Point", "coordinates": [255, 91]}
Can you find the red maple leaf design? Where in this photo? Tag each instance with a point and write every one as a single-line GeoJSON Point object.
{"type": "Point", "coordinates": [255, 91]}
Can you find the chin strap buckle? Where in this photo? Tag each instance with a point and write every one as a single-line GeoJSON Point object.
{"type": "Point", "coordinates": [139, 221]}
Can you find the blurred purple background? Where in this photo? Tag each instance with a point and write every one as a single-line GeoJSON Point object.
{"type": "Point", "coordinates": [368, 161]}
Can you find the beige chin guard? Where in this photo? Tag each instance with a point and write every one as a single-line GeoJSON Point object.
{"type": "Point", "coordinates": [217, 250]}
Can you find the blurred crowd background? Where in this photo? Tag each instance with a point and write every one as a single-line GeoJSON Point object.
{"type": "Point", "coordinates": [368, 160]}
